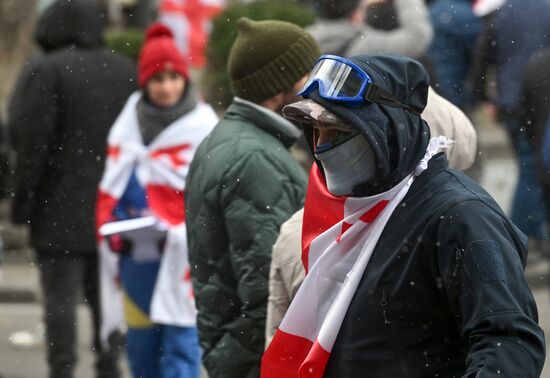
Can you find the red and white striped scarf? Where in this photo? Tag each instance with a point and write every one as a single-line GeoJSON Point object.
{"type": "Point", "coordinates": [161, 168]}
{"type": "Point", "coordinates": [338, 237]}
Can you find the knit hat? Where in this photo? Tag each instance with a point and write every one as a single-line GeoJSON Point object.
{"type": "Point", "coordinates": [159, 53]}
{"type": "Point", "coordinates": [268, 58]}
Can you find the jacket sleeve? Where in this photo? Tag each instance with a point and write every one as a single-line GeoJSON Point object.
{"type": "Point", "coordinates": [446, 119]}
{"type": "Point", "coordinates": [32, 118]}
{"type": "Point", "coordinates": [412, 37]}
{"type": "Point", "coordinates": [286, 273]}
{"type": "Point", "coordinates": [481, 261]}
{"type": "Point", "coordinates": [258, 197]}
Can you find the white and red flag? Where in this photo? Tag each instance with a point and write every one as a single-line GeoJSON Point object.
{"type": "Point", "coordinates": [190, 21]}
{"type": "Point", "coordinates": [161, 168]}
{"type": "Point", "coordinates": [338, 237]}
{"type": "Point", "coordinates": [482, 8]}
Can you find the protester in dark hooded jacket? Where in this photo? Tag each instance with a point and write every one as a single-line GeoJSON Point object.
{"type": "Point", "coordinates": [433, 275]}
{"type": "Point", "coordinates": [64, 102]}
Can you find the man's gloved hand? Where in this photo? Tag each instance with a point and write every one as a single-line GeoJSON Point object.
{"type": "Point", "coordinates": [119, 245]}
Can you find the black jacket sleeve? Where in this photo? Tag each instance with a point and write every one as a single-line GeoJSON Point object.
{"type": "Point", "coordinates": [33, 114]}
{"type": "Point", "coordinates": [481, 258]}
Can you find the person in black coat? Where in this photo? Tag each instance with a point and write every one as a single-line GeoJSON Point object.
{"type": "Point", "coordinates": [444, 292]}
{"type": "Point", "coordinates": [63, 105]}
{"type": "Point", "coordinates": [535, 110]}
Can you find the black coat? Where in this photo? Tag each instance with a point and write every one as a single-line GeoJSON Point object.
{"type": "Point", "coordinates": [444, 294]}
{"type": "Point", "coordinates": [535, 106]}
{"type": "Point", "coordinates": [63, 105]}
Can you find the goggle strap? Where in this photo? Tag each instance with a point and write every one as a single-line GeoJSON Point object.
{"type": "Point", "coordinates": [376, 94]}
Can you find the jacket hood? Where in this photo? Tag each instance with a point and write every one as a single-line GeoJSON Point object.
{"type": "Point", "coordinates": [397, 136]}
{"type": "Point", "coordinates": [70, 22]}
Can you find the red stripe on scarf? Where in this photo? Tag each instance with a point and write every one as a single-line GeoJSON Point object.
{"type": "Point", "coordinates": [113, 152]}
{"type": "Point", "coordinates": [371, 215]}
{"type": "Point", "coordinates": [173, 153]}
{"type": "Point", "coordinates": [293, 356]}
{"type": "Point", "coordinates": [166, 203]}
{"type": "Point", "coordinates": [322, 210]}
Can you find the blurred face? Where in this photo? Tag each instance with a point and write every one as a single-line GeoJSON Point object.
{"type": "Point", "coordinates": [289, 96]}
{"type": "Point", "coordinates": [165, 88]}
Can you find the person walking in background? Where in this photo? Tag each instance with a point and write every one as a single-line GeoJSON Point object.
{"type": "Point", "coordinates": [63, 104]}
{"type": "Point", "coordinates": [243, 183]}
{"type": "Point", "coordinates": [149, 149]}
{"type": "Point", "coordinates": [4, 170]}
{"type": "Point", "coordinates": [412, 268]}
{"type": "Point", "coordinates": [341, 29]}
{"type": "Point", "coordinates": [513, 33]}
{"type": "Point", "coordinates": [535, 110]}
{"type": "Point", "coordinates": [456, 29]}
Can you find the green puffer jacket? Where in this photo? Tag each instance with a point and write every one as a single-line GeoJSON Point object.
{"type": "Point", "coordinates": [242, 185]}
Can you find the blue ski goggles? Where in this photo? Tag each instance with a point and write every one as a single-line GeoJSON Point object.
{"type": "Point", "coordinates": [339, 79]}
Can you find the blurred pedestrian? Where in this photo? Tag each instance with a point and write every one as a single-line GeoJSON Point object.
{"type": "Point", "coordinates": [513, 33]}
{"type": "Point", "coordinates": [456, 29]}
{"type": "Point", "coordinates": [287, 272]}
{"type": "Point", "coordinates": [406, 259]}
{"type": "Point", "coordinates": [4, 171]}
{"type": "Point", "coordinates": [534, 113]}
{"type": "Point", "coordinates": [4, 162]}
{"type": "Point", "coordinates": [243, 183]}
{"type": "Point", "coordinates": [149, 149]}
{"type": "Point", "coordinates": [63, 104]}
{"type": "Point", "coordinates": [342, 30]}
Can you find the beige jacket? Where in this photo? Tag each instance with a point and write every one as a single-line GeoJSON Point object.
{"type": "Point", "coordinates": [446, 119]}
{"type": "Point", "coordinates": [287, 272]}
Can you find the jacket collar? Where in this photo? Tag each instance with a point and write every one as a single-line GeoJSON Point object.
{"type": "Point", "coordinates": [264, 119]}
{"type": "Point", "coordinates": [436, 165]}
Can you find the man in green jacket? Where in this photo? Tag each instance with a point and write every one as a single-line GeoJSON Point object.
{"type": "Point", "coordinates": [242, 185]}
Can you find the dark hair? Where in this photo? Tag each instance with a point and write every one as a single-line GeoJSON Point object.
{"type": "Point", "coordinates": [334, 9]}
{"type": "Point", "coordinates": [382, 16]}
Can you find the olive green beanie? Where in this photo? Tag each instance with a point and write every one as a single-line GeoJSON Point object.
{"type": "Point", "coordinates": [269, 57]}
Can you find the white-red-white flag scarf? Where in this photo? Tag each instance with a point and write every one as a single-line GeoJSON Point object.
{"type": "Point", "coordinates": [338, 237]}
{"type": "Point", "coordinates": [161, 168]}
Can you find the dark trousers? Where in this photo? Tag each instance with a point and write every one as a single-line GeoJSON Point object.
{"type": "Point", "coordinates": [64, 278]}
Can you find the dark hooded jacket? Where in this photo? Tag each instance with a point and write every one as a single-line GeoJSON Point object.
{"type": "Point", "coordinates": [444, 293]}
{"type": "Point", "coordinates": [64, 103]}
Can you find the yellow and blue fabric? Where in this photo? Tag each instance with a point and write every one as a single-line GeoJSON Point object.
{"type": "Point", "coordinates": [154, 350]}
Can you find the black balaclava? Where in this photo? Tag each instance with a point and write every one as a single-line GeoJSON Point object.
{"type": "Point", "coordinates": [397, 136]}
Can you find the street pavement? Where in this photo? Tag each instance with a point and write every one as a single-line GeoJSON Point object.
{"type": "Point", "coordinates": [24, 313]}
